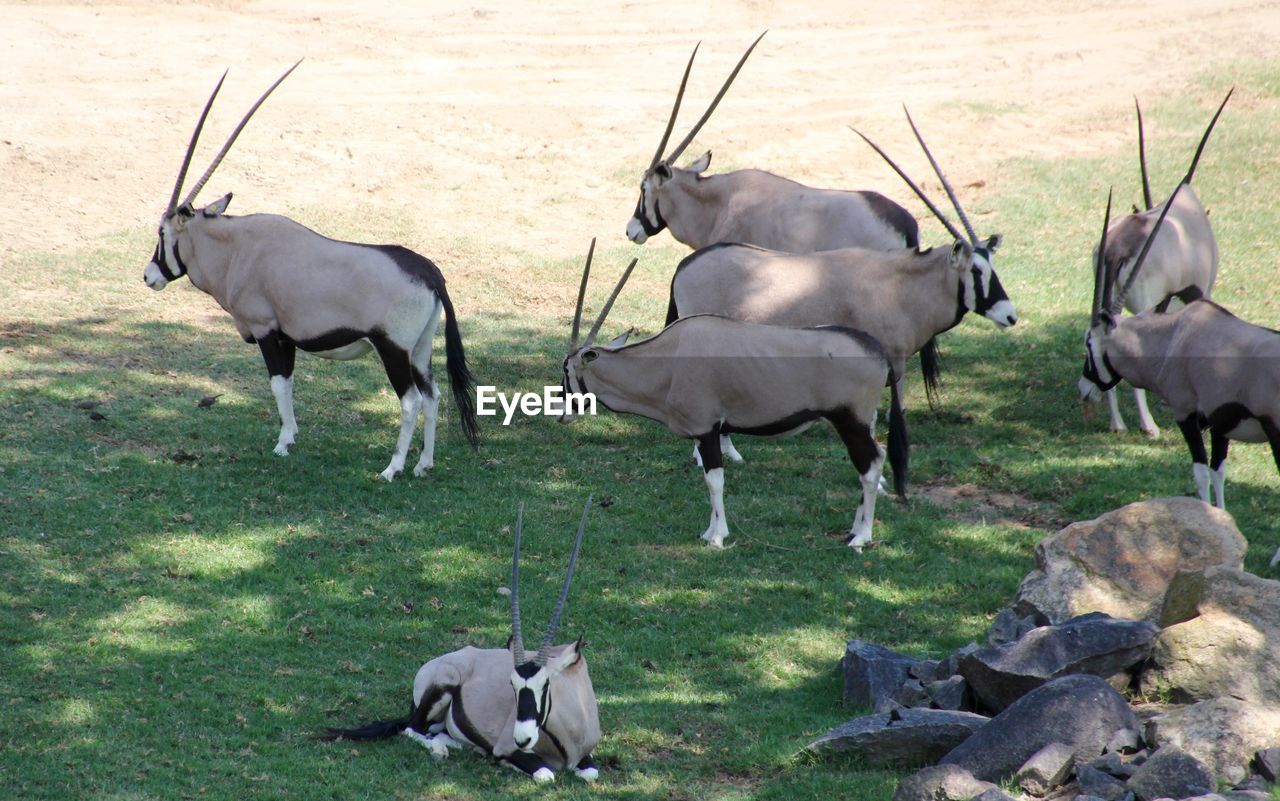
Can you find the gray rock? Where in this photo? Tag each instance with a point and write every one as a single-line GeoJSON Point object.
{"type": "Point", "coordinates": [1233, 774]}
{"type": "Point", "coordinates": [1109, 764]}
{"type": "Point", "coordinates": [1221, 627]}
{"type": "Point", "coordinates": [1125, 741]}
{"type": "Point", "coordinates": [950, 693]}
{"type": "Point", "coordinates": [1267, 761]}
{"type": "Point", "coordinates": [926, 670]}
{"type": "Point", "coordinates": [941, 783]}
{"type": "Point", "coordinates": [1253, 782]}
{"type": "Point", "coordinates": [1247, 795]}
{"type": "Point", "coordinates": [1046, 769]}
{"type": "Point", "coordinates": [1221, 733]}
{"type": "Point", "coordinates": [1080, 711]}
{"type": "Point", "coordinates": [872, 674]}
{"type": "Point", "coordinates": [1098, 784]}
{"type": "Point", "coordinates": [911, 694]}
{"type": "Point", "coordinates": [1171, 773]}
{"type": "Point", "coordinates": [906, 738]}
{"type": "Point", "coordinates": [951, 665]}
{"type": "Point", "coordinates": [994, 794]}
{"type": "Point", "coordinates": [1009, 626]}
{"type": "Point", "coordinates": [1122, 562]}
{"type": "Point", "coordinates": [1093, 644]}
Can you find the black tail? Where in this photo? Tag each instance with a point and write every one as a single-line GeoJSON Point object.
{"type": "Point", "coordinates": [899, 443]}
{"type": "Point", "coordinates": [931, 370]}
{"type": "Point", "coordinates": [461, 382]}
{"type": "Point", "coordinates": [379, 730]}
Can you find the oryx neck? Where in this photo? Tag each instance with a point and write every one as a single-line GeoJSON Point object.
{"type": "Point", "coordinates": [690, 206]}
{"type": "Point", "coordinates": [629, 379]}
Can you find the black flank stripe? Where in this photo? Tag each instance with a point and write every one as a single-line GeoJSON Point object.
{"type": "Point", "coordinates": [564, 756]}
{"type": "Point", "coordinates": [465, 726]}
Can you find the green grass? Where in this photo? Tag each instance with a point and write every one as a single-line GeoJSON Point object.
{"type": "Point", "coordinates": [183, 629]}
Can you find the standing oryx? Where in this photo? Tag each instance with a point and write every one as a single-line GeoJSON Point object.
{"type": "Point", "coordinates": [903, 298]}
{"type": "Point", "coordinates": [706, 376]}
{"type": "Point", "coordinates": [1213, 369]}
{"type": "Point", "coordinates": [757, 207]}
{"type": "Point", "coordinates": [288, 287]}
{"type": "Point", "coordinates": [501, 703]}
{"type": "Point", "coordinates": [1182, 264]}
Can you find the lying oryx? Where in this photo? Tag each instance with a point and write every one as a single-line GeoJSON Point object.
{"type": "Point", "coordinates": [707, 376]}
{"type": "Point", "coordinates": [1183, 262]}
{"type": "Point", "coordinates": [904, 298]}
{"type": "Point", "coordinates": [1213, 369]}
{"type": "Point", "coordinates": [501, 703]}
{"type": "Point", "coordinates": [754, 206]}
{"type": "Point", "coordinates": [288, 287]}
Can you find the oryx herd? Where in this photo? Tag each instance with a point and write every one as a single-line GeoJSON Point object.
{"type": "Point", "coordinates": [797, 304]}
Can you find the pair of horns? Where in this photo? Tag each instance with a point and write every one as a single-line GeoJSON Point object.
{"type": "Point", "coordinates": [517, 639]}
{"type": "Point", "coordinates": [582, 291]}
{"type": "Point", "coordinates": [1191, 171]}
{"type": "Point", "coordinates": [675, 110]}
{"type": "Point", "coordinates": [1102, 285]}
{"type": "Point", "coordinates": [946, 185]}
{"type": "Point", "coordinates": [191, 146]}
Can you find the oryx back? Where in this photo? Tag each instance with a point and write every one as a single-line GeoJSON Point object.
{"type": "Point", "coordinates": [1184, 253]}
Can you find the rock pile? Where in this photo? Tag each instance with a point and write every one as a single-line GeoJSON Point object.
{"type": "Point", "coordinates": [1149, 600]}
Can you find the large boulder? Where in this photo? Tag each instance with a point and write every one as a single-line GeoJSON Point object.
{"type": "Point", "coordinates": [941, 783]}
{"type": "Point", "coordinates": [905, 738]}
{"type": "Point", "coordinates": [1096, 644]}
{"type": "Point", "coordinates": [1224, 733]}
{"type": "Point", "coordinates": [1221, 638]}
{"type": "Point", "coordinates": [873, 675]}
{"type": "Point", "coordinates": [1171, 773]}
{"type": "Point", "coordinates": [1082, 712]}
{"type": "Point", "coordinates": [1121, 563]}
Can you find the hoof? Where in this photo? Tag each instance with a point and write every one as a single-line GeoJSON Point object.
{"type": "Point", "coordinates": [421, 469]}
{"type": "Point", "coordinates": [1152, 433]}
{"type": "Point", "coordinates": [588, 775]}
{"type": "Point", "coordinates": [282, 448]}
{"type": "Point", "coordinates": [713, 539]}
{"type": "Point", "coordinates": [389, 474]}
{"type": "Point", "coordinates": [543, 775]}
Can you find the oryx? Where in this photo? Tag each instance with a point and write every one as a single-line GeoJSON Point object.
{"type": "Point", "coordinates": [1213, 369]}
{"type": "Point", "coordinates": [707, 376]}
{"type": "Point", "coordinates": [904, 298]}
{"type": "Point", "coordinates": [535, 714]}
{"type": "Point", "coordinates": [754, 206]}
{"type": "Point", "coordinates": [287, 287]}
{"type": "Point", "coordinates": [1182, 264]}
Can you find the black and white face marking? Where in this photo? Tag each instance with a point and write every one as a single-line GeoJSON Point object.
{"type": "Point", "coordinates": [531, 685]}
{"type": "Point", "coordinates": [647, 220]}
{"type": "Point", "coordinates": [1097, 376]}
{"type": "Point", "coordinates": [983, 292]}
{"type": "Point", "coordinates": [572, 382]}
{"type": "Point", "coordinates": [166, 265]}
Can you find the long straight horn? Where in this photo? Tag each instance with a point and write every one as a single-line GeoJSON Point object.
{"type": "Point", "coordinates": [1191, 171]}
{"type": "Point", "coordinates": [942, 218]}
{"type": "Point", "coordinates": [517, 639]}
{"type": "Point", "coordinates": [675, 154]}
{"type": "Point", "coordinates": [582, 291]}
{"type": "Point", "coordinates": [191, 147]}
{"type": "Point", "coordinates": [1117, 303]}
{"type": "Point", "coordinates": [946, 185]}
{"type": "Point", "coordinates": [595, 329]}
{"type": "Point", "coordinates": [543, 651]}
{"type": "Point", "coordinates": [675, 109]}
{"type": "Point", "coordinates": [1100, 282]}
{"type": "Point", "coordinates": [225, 148]}
{"type": "Point", "coordinates": [1142, 159]}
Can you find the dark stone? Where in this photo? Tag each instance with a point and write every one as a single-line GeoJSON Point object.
{"type": "Point", "coordinates": [1046, 769]}
{"type": "Point", "coordinates": [1009, 626]}
{"type": "Point", "coordinates": [941, 783]}
{"type": "Point", "coordinates": [1125, 741]}
{"type": "Point", "coordinates": [951, 665]}
{"type": "Point", "coordinates": [905, 738]}
{"type": "Point", "coordinates": [1080, 711]}
{"type": "Point", "coordinates": [1171, 773]}
{"type": "Point", "coordinates": [1098, 784]}
{"type": "Point", "coordinates": [993, 794]}
{"type": "Point", "coordinates": [1253, 782]}
{"type": "Point", "coordinates": [911, 694]}
{"type": "Point", "coordinates": [1247, 795]}
{"type": "Point", "coordinates": [950, 693]}
{"type": "Point", "coordinates": [1109, 764]}
{"type": "Point", "coordinates": [1267, 763]}
{"type": "Point", "coordinates": [1094, 644]}
{"type": "Point", "coordinates": [872, 674]}
{"type": "Point", "coordinates": [925, 670]}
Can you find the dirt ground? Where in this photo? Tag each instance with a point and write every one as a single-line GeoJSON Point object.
{"type": "Point", "coordinates": [527, 125]}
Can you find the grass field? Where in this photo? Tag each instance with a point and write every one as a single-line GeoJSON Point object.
{"type": "Point", "coordinates": [182, 611]}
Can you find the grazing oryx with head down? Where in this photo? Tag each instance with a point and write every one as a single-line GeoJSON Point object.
{"type": "Point", "coordinates": [903, 298]}
{"type": "Point", "coordinates": [288, 287]}
{"type": "Point", "coordinates": [707, 376]}
{"type": "Point", "coordinates": [537, 715]}
{"type": "Point", "coordinates": [1182, 264]}
{"type": "Point", "coordinates": [1213, 369]}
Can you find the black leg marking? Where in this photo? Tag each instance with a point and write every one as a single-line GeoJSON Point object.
{"type": "Point", "coordinates": [1193, 434]}
{"type": "Point", "coordinates": [1220, 443]}
{"type": "Point", "coordinates": [1273, 436]}
{"type": "Point", "coordinates": [526, 762]}
{"type": "Point", "coordinates": [396, 362]}
{"type": "Point", "coordinates": [279, 354]}
{"type": "Point", "coordinates": [586, 763]}
{"type": "Point", "coordinates": [858, 440]}
{"type": "Point", "coordinates": [418, 720]}
{"type": "Point", "coordinates": [709, 450]}
{"type": "Point", "coordinates": [422, 382]}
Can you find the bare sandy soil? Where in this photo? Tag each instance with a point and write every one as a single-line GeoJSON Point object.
{"type": "Point", "coordinates": [527, 125]}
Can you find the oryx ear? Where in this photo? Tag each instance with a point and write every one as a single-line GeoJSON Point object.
{"type": "Point", "coordinates": [217, 207]}
{"type": "Point", "coordinates": [662, 171]}
{"type": "Point", "coordinates": [619, 341]}
{"type": "Point", "coordinates": [566, 658]}
{"type": "Point", "coordinates": [961, 255]}
{"type": "Point", "coordinates": [994, 242]}
{"type": "Point", "coordinates": [700, 166]}
{"type": "Point", "coordinates": [1106, 320]}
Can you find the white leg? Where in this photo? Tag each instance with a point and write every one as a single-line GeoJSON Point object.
{"type": "Point", "coordinates": [409, 407]}
{"type": "Point", "coordinates": [866, 514]}
{"type": "Point", "coordinates": [429, 409]}
{"type": "Point", "coordinates": [437, 744]}
{"type": "Point", "coordinates": [1275, 560]}
{"type": "Point", "coordinates": [1200, 472]}
{"type": "Point", "coordinates": [588, 774]}
{"type": "Point", "coordinates": [543, 775]}
{"type": "Point", "coordinates": [727, 449]}
{"type": "Point", "coordinates": [1145, 421]}
{"type": "Point", "coordinates": [697, 457]}
{"type": "Point", "coordinates": [1113, 408]}
{"type": "Point", "coordinates": [282, 388]}
{"type": "Point", "coordinates": [718, 529]}
{"type": "Point", "coordinates": [902, 384]}
{"type": "Point", "coordinates": [1219, 481]}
